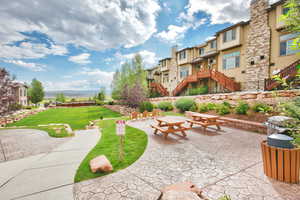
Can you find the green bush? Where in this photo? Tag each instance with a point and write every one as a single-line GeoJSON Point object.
{"type": "Point", "coordinates": [146, 105]}
{"type": "Point", "coordinates": [202, 107]}
{"type": "Point", "coordinates": [242, 108]}
{"type": "Point", "coordinates": [185, 104]}
{"type": "Point", "coordinates": [111, 103]}
{"type": "Point", "coordinates": [211, 106]}
{"type": "Point", "coordinates": [14, 107]}
{"type": "Point", "coordinates": [222, 109]}
{"type": "Point", "coordinates": [262, 107]}
{"type": "Point", "coordinates": [226, 103]}
{"type": "Point", "coordinates": [99, 103]}
{"type": "Point", "coordinates": [198, 91]}
{"type": "Point", "coordinates": [193, 108]}
{"type": "Point", "coordinates": [165, 106]}
{"type": "Point", "coordinates": [291, 109]}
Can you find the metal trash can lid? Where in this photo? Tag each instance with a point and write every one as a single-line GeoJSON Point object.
{"type": "Point", "coordinates": [280, 137]}
{"type": "Point", "coordinates": [279, 120]}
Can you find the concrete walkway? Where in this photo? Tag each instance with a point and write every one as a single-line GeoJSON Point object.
{"type": "Point", "coordinates": [220, 162]}
{"type": "Point", "coordinates": [47, 176]}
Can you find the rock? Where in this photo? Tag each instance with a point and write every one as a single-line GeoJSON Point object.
{"type": "Point", "coordinates": [180, 195]}
{"type": "Point", "coordinates": [100, 163]}
{"type": "Point", "coordinates": [181, 191]}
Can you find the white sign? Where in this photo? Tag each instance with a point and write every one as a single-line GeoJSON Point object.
{"type": "Point", "coordinates": [121, 127]}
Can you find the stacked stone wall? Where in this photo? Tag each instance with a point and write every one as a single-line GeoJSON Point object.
{"type": "Point", "coordinates": [258, 48]}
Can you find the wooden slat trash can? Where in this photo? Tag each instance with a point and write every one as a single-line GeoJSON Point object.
{"type": "Point", "coordinates": [281, 164]}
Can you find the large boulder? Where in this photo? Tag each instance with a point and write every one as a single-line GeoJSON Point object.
{"type": "Point", "coordinates": [181, 191]}
{"type": "Point", "coordinates": [100, 163]}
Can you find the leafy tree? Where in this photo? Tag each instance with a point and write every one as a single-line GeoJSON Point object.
{"type": "Point", "coordinates": [292, 19]}
{"type": "Point", "coordinates": [60, 97]}
{"type": "Point", "coordinates": [6, 97]}
{"type": "Point", "coordinates": [36, 91]}
{"type": "Point", "coordinates": [101, 95]}
{"type": "Point", "coordinates": [129, 84]}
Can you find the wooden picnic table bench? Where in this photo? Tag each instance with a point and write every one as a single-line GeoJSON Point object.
{"type": "Point", "coordinates": [173, 126]}
{"type": "Point", "coordinates": [205, 120]}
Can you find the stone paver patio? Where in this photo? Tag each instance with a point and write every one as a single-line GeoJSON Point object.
{"type": "Point", "coordinates": [224, 162]}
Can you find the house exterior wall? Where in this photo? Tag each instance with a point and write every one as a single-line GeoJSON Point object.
{"type": "Point", "coordinates": [277, 61]}
{"type": "Point", "coordinates": [258, 42]}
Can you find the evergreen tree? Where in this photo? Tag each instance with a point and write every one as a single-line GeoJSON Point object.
{"type": "Point", "coordinates": [36, 91]}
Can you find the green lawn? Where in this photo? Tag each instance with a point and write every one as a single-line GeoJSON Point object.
{"type": "Point", "coordinates": [135, 144]}
{"type": "Point", "coordinates": [173, 114]}
{"type": "Point", "coordinates": [77, 118]}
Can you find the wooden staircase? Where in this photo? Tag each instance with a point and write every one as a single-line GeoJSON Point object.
{"type": "Point", "coordinates": [288, 72]}
{"type": "Point", "coordinates": [219, 77]}
{"type": "Point", "coordinates": [159, 88]}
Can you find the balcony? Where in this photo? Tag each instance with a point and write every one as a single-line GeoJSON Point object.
{"type": "Point", "coordinates": [209, 54]}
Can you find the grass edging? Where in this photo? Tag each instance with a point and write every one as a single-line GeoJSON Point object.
{"type": "Point", "coordinates": [136, 142]}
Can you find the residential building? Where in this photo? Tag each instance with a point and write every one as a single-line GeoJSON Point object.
{"type": "Point", "coordinates": [243, 56]}
{"type": "Point", "coordinates": [20, 93]}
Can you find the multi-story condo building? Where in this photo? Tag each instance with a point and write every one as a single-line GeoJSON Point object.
{"type": "Point", "coordinates": [241, 57]}
{"type": "Point", "coordinates": [19, 93]}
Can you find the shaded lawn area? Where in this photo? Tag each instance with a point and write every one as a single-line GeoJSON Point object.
{"type": "Point", "coordinates": [77, 118]}
{"type": "Point", "coordinates": [135, 144]}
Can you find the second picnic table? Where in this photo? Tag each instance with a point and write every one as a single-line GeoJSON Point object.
{"type": "Point", "coordinates": [205, 120]}
{"type": "Point", "coordinates": [174, 125]}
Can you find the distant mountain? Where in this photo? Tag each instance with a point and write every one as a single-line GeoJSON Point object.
{"type": "Point", "coordinates": [71, 93]}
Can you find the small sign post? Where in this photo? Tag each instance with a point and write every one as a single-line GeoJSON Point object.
{"type": "Point", "coordinates": [121, 133]}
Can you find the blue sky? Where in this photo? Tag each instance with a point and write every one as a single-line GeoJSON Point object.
{"type": "Point", "coordinates": [77, 45]}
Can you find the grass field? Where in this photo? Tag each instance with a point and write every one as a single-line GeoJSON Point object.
{"type": "Point", "coordinates": [77, 118]}
{"type": "Point", "coordinates": [135, 144]}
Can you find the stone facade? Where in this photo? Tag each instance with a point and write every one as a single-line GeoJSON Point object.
{"type": "Point", "coordinates": [258, 46]}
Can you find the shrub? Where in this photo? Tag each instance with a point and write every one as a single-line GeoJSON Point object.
{"type": "Point", "coordinates": [14, 107]}
{"type": "Point", "coordinates": [99, 103]}
{"type": "Point", "coordinates": [291, 109]}
{"type": "Point", "coordinates": [222, 109]}
{"type": "Point", "coordinates": [211, 106]}
{"type": "Point", "coordinates": [111, 103]}
{"type": "Point", "coordinates": [261, 107]}
{"type": "Point", "coordinates": [193, 108]}
{"type": "Point", "coordinates": [226, 103]}
{"type": "Point", "coordinates": [242, 108]}
{"type": "Point", "coordinates": [203, 107]}
{"type": "Point", "coordinates": [165, 106]}
{"type": "Point", "coordinates": [146, 105]}
{"type": "Point", "coordinates": [198, 91]}
{"type": "Point", "coordinates": [184, 104]}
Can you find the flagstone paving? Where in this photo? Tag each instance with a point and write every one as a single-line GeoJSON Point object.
{"type": "Point", "coordinates": [226, 162]}
{"type": "Point", "coordinates": [49, 175]}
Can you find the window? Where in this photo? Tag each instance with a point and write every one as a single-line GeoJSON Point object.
{"type": "Point", "coordinates": [287, 46]}
{"type": "Point", "coordinates": [166, 78]}
{"type": "Point", "coordinates": [182, 55]}
{"type": "Point", "coordinates": [213, 44]}
{"type": "Point", "coordinates": [201, 51]}
{"type": "Point", "coordinates": [231, 60]}
{"type": "Point", "coordinates": [229, 35]}
{"type": "Point", "coordinates": [285, 10]}
{"type": "Point", "coordinates": [184, 72]}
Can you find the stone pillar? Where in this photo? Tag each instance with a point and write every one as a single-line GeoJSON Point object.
{"type": "Point", "coordinates": [173, 72]}
{"type": "Point", "coordinates": [258, 46]}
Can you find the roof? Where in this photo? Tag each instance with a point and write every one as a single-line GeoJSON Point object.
{"type": "Point", "coordinates": [165, 59]}
{"type": "Point", "coordinates": [234, 25]}
{"type": "Point", "coordinates": [274, 5]}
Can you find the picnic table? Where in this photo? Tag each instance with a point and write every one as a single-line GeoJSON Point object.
{"type": "Point", "coordinates": [173, 126]}
{"type": "Point", "coordinates": [205, 120]}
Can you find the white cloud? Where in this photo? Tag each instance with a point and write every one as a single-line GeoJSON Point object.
{"type": "Point", "coordinates": [81, 58]}
{"type": "Point", "coordinates": [28, 50]}
{"type": "Point", "coordinates": [176, 32]}
{"type": "Point", "coordinates": [149, 57]}
{"type": "Point", "coordinates": [220, 11]}
{"type": "Point", "coordinates": [31, 66]}
{"type": "Point", "coordinates": [67, 85]}
{"type": "Point", "coordinates": [93, 24]}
